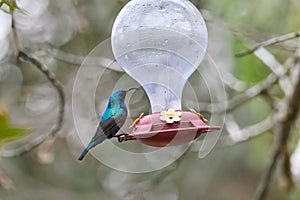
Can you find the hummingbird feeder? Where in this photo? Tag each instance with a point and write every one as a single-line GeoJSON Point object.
{"type": "Point", "coordinates": [160, 43]}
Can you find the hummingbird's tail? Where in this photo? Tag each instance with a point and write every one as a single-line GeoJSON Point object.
{"type": "Point", "coordinates": [83, 154]}
{"type": "Point", "coordinates": [93, 143]}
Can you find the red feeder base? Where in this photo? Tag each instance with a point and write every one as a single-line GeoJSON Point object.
{"type": "Point", "coordinates": [150, 130]}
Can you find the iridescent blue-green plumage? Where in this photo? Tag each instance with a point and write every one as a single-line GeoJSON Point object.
{"type": "Point", "coordinates": [112, 120]}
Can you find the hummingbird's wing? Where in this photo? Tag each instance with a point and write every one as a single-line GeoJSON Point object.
{"type": "Point", "coordinates": [109, 127]}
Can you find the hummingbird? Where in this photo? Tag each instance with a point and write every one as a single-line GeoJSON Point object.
{"type": "Point", "coordinates": [112, 120]}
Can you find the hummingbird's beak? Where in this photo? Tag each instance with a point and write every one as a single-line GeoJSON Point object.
{"type": "Point", "coordinates": [131, 89]}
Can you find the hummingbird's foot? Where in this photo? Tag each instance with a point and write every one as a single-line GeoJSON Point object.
{"type": "Point", "coordinates": [121, 137]}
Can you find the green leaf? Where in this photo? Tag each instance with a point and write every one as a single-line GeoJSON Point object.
{"type": "Point", "coordinates": [7, 132]}
{"type": "Point", "coordinates": [12, 5]}
{"type": "Point", "coordinates": [4, 118]}
{"type": "Point", "coordinates": [12, 134]}
{"type": "Point", "coordinates": [249, 68]}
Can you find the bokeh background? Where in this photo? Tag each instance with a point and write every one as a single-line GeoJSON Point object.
{"type": "Point", "coordinates": [60, 34]}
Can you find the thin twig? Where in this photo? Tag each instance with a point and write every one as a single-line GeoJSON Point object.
{"type": "Point", "coordinates": [81, 60]}
{"type": "Point", "coordinates": [245, 134]}
{"type": "Point", "coordinates": [248, 94]}
{"type": "Point", "coordinates": [277, 68]}
{"type": "Point", "coordinates": [14, 32]}
{"type": "Point", "coordinates": [57, 85]}
{"type": "Point", "coordinates": [232, 82]}
{"type": "Point", "coordinates": [269, 42]}
{"type": "Point", "coordinates": [6, 182]}
{"type": "Point", "coordinates": [240, 135]}
{"type": "Point", "coordinates": [238, 100]}
{"type": "Point", "coordinates": [45, 154]}
{"type": "Point", "coordinates": [287, 116]}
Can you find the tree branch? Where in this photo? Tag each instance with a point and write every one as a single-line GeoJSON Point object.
{"type": "Point", "coordinates": [6, 182]}
{"type": "Point", "coordinates": [232, 82]}
{"type": "Point", "coordinates": [277, 68]}
{"type": "Point", "coordinates": [238, 100]}
{"type": "Point", "coordinates": [241, 135]}
{"type": "Point", "coordinates": [269, 42]}
{"type": "Point", "coordinates": [81, 60]}
{"type": "Point", "coordinates": [14, 32]}
{"type": "Point", "coordinates": [52, 79]}
{"type": "Point", "coordinates": [286, 117]}
{"type": "Point", "coordinates": [287, 182]}
{"type": "Point", "coordinates": [249, 93]}
{"type": "Point", "coordinates": [57, 85]}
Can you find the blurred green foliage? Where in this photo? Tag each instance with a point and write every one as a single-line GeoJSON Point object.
{"type": "Point", "coordinates": [11, 4]}
{"type": "Point", "coordinates": [8, 133]}
{"type": "Point", "coordinates": [226, 173]}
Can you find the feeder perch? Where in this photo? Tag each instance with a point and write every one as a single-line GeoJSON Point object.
{"type": "Point", "coordinates": [150, 130]}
